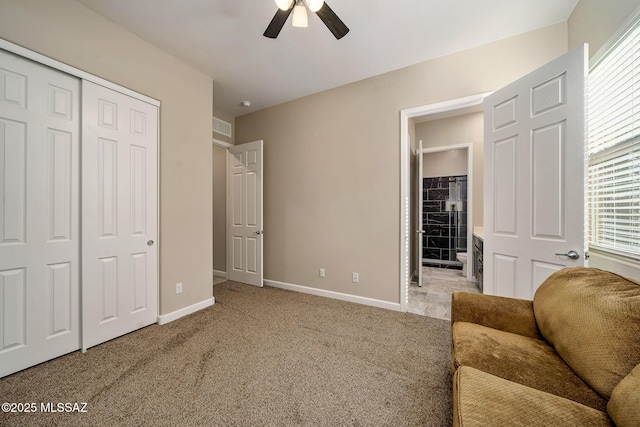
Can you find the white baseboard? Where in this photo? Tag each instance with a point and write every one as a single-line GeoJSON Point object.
{"type": "Point", "coordinates": [218, 273]}
{"type": "Point", "coordinates": [335, 295]}
{"type": "Point", "coordinates": [175, 315]}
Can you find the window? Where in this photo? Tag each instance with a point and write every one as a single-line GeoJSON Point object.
{"type": "Point", "coordinates": [614, 148]}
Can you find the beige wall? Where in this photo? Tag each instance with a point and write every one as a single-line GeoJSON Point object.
{"type": "Point", "coordinates": [332, 166]}
{"type": "Point", "coordinates": [464, 129]}
{"type": "Point", "coordinates": [595, 21]}
{"type": "Point", "coordinates": [71, 33]}
{"type": "Point", "coordinates": [452, 162]}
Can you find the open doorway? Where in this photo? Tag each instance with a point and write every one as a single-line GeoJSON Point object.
{"type": "Point", "coordinates": [443, 216]}
{"type": "Point", "coordinates": [436, 113]}
{"type": "Point", "coordinates": [219, 154]}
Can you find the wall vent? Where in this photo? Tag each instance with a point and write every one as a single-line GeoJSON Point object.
{"type": "Point", "coordinates": [221, 127]}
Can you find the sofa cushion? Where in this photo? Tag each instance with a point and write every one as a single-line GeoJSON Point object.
{"type": "Point", "coordinates": [592, 319]}
{"type": "Point", "coordinates": [506, 314]}
{"type": "Point", "coordinates": [481, 399]}
{"type": "Point", "coordinates": [624, 406]}
{"type": "Point", "coordinates": [524, 360]}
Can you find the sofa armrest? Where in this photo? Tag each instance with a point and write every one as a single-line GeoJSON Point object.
{"type": "Point", "coordinates": [505, 314]}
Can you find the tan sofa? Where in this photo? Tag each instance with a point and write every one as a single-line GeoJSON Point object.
{"type": "Point", "coordinates": [570, 357]}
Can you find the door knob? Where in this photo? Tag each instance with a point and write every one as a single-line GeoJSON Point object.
{"type": "Point", "coordinates": [571, 254]}
{"type": "Point", "coordinates": [259, 232]}
{"type": "Point", "coordinates": [150, 243]}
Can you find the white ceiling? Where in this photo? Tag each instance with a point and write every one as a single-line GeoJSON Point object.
{"type": "Point", "coordinates": [223, 38]}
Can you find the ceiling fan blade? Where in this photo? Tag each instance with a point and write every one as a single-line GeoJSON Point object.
{"type": "Point", "coordinates": [331, 20]}
{"type": "Point", "coordinates": [277, 23]}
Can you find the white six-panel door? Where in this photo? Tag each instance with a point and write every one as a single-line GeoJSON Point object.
{"type": "Point", "coordinates": [119, 214]}
{"type": "Point", "coordinates": [244, 214]}
{"type": "Point", "coordinates": [535, 177]}
{"type": "Point", "coordinates": [39, 226]}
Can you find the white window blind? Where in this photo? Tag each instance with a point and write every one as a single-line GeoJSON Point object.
{"type": "Point", "coordinates": [614, 148]}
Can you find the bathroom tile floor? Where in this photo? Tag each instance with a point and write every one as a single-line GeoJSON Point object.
{"type": "Point", "coordinates": [433, 299]}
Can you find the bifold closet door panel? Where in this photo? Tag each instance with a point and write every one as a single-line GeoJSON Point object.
{"type": "Point", "coordinates": [119, 214]}
{"type": "Point", "coordinates": [39, 208]}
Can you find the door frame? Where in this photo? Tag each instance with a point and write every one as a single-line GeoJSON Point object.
{"type": "Point", "coordinates": [226, 146]}
{"type": "Point", "coordinates": [469, 148]}
{"type": "Point", "coordinates": [405, 178]}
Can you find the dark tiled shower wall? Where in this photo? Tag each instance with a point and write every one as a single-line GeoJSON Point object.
{"type": "Point", "coordinates": [437, 225]}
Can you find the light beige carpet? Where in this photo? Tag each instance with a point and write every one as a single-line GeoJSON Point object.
{"type": "Point", "coordinates": [258, 357]}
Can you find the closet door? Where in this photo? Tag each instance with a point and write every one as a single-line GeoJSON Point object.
{"type": "Point", "coordinates": [39, 233]}
{"type": "Point", "coordinates": [119, 214]}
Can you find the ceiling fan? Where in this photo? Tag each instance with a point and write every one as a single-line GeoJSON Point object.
{"type": "Point", "coordinates": [321, 8]}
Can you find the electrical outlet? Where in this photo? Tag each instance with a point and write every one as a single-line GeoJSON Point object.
{"type": "Point", "coordinates": [355, 277]}
{"type": "Point", "coordinates": [322, 272]}
{"type": "Point", "coordinates": [179, 288]}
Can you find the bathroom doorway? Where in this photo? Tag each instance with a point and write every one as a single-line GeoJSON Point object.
{"type": "Point", "coordinates": [444, 212]}
{"type": "Point", "coordinates": [444, 219]}
{"type": "Point", "coordinates": [446, 203]}
{"type": "Point", "coordinates": [450, 135]}
{"type": "Point", "coordinates": [447, 189]}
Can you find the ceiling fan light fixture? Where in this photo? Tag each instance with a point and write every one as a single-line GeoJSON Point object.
{"type": "Point", "coordinates": [315, 5]}
{"type": "Point", "coordinates": [300, 18]}
{"type": "Point", "coordinates": [299, 10]}
{"type": "Point", "coordinates": [284, 4]}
